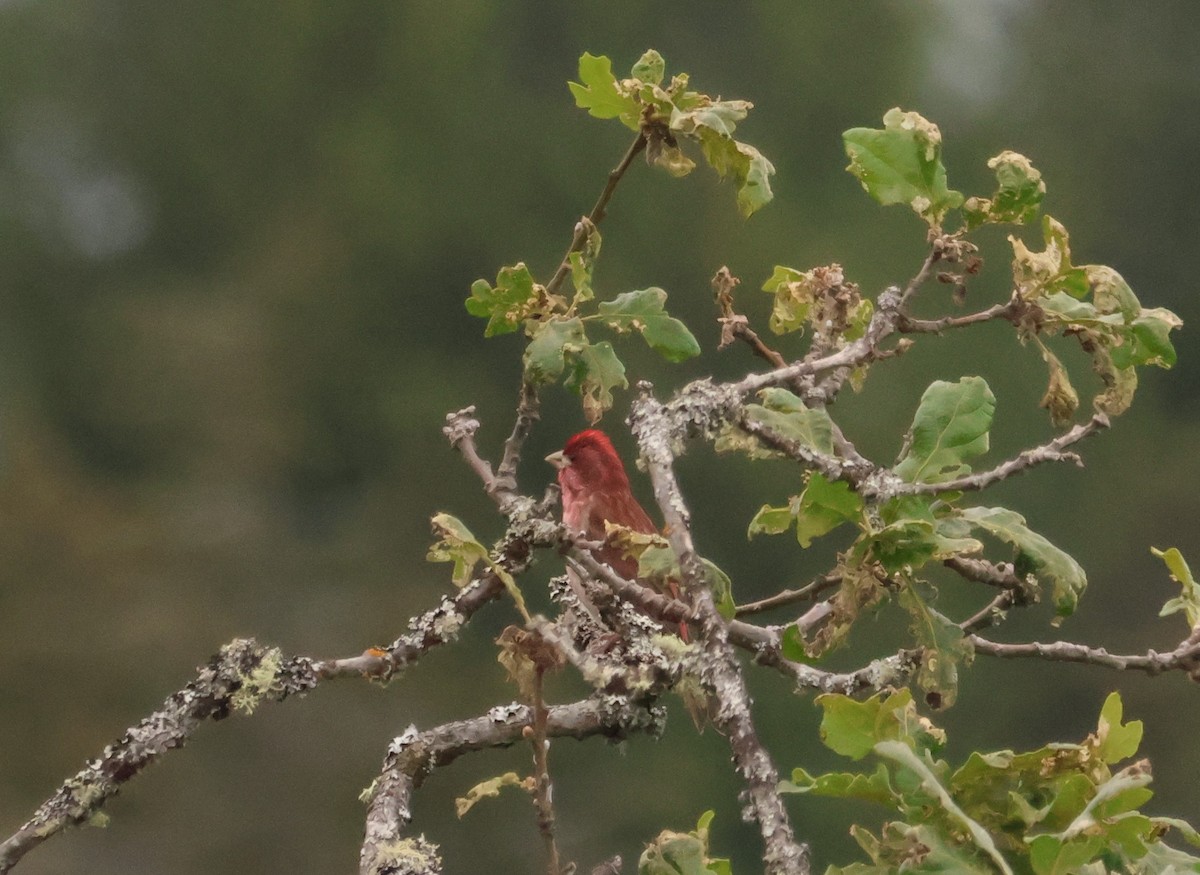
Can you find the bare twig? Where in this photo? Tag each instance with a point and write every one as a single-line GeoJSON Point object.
{"type": "Point", "coordinates": [1052, 451]}
{"type": "Point", "coordinates": [937, 326]}
{"type": "Point", "coordinates": [923, 274]}
{"type": "Point", "coordinates": [791, 596]}
{"type": "Point", "coordinates": [459, 430]}
{"type": "Point", "coordinates": [991, 613]}
{"type": "Point", "coordinates": [733, 324]}
{"type": "Point", "coordinates": [599, 211]}
{"type": "Point", "coordinates": [1185, 657]}
{"type": "Point", "coordinates": [412, 756]}
{"type": "Point", "coordinates": [542, 787]}
{"type": "Point", "coordinates": [783, 855]}
{"type": "Point", "coordinates": [528, 413]}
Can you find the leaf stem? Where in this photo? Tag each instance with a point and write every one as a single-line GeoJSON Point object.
{"type": "Point", "coordinates": [599, 211]}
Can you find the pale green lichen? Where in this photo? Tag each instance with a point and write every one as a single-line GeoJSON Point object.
{"type": "Point", "coordinates": [261, 681]}
{"type": "Point", "coordinates": [368, 792]}
{"type": "Point", "coordinates": [408, 857]}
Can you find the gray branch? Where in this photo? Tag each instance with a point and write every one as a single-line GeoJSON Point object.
{"type": "Point", "coordinates": [657, 434]}
{"type": "Point", "coordinates": [1185, 657]}
{"type": "Point", "coordinates": [241, 675]}
{"type": "Point", "coordinates": [412, 756]}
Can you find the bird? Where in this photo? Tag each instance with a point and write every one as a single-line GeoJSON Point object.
{"type": "Point", "coordinates": [595, 490]}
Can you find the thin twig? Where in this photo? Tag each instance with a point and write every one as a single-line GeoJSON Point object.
{"type": "Point", "coordinates": [1185, 657]}
{"type": "Point", "coordinates": [923, 274]}
{"type": "Point", "coordinates": [542, 789]}
{"type": "Point", "coordinates": [599, 211]}
{"type": "Point", "coordinates": [1052, 451]}
{"type": "Point", "coordinates": [908, 325]}
{"type": "Point", "coordinates": [808, 592]}
{"type": "Point", "coordinates": [991, 613]}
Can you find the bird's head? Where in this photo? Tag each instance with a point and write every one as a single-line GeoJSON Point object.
{"type": "Point", "coordinates": [588, 461]}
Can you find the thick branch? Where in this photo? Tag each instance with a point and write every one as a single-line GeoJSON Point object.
{"type": "Point", "coordinates": [243, 673]}
{"type": "Point", "coordinates": [412, 757]}
{"type": "Point", "coordinates": [783, 855]}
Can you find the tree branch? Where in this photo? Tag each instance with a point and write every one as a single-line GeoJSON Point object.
{"type": "Point", "coordinates": [1185, 657]}
{"type": "Point", "coordinates": [241, 675]}
{"type": "Point", "coordinates": [599, 211]}
{"type": "Point", "coordinates": [786, 597]}
{"type": "Point", "coordinates": [413, 755]}
{"type": "Point", "coordinates": [783, 855]}
{"type": "Point", "coordinates": [1053, 451]}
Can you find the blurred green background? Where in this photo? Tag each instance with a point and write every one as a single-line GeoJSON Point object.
{"type": "Point", "coordinates": [235, 240]}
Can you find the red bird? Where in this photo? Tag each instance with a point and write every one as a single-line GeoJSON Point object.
{"type": "Point", "coordinates": [595, 490]}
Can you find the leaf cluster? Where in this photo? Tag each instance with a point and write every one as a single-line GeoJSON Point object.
{"type": "Point", "coordinates": [1063, 808]}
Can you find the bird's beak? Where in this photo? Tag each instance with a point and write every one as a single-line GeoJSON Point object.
{"type": "Point", "coordinates": [558, 460]}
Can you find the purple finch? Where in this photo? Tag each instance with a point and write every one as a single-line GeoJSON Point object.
{"type": "Point", "coordinates": [595, 491]}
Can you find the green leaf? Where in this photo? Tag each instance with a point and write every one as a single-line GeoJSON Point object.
{"type": "Point", "coordinates": [658, 563]}
{"type": "Point", "coordinates": [506, 305]}
{"type": "Point", "coordinates": [908, 544]}
{"type": "Point", "coordinates": [583, 264]}
{"type": "Point", "coordinates": [1050, 855]}
{"type": "Point", "coordinates": [676, 853]}
{"type": "Point", "coordinates": [852, 728]}
{"type": "Point", "coordinates": [786, 415]}
{"type": "Point", "coordinates": [1067, 578]}
{"type": "Point", "coordinates": [598, 93]}
{"type": "Point", "coordinates": [1189, 599]}
{"type": "Point", "coordinates": [901, 164]}
{"type": "Point", "coordinates": [792, 298]}
{"type": "Point", "coordinates": [943, 649]}
{"type": "Point", "coordinates": [951, 425]}
{"type": "Point", "coordinates": [823, 506]}
{"type": "Point", "coordinates": [1018, 196]}
{"type": "Point", "coordinates": [772, 520]}
{"type": "Point", "coordinates": [552, 343]}
{"type": "Point", "coordinates": [643, 311]}
{"type": "Point", "coordinates": [650, 67]}
{"type": "Point", "coordinates": [791, 644]}
{"type": "Point", "coordinates": [1116, 741]}
{"type": "Point", "coordinates": [876, 787]}
{"type": "Point", "coordinates": [712, 123]}
{"type": "Point", "coordinates": [456, 544]}
{"type": "Point", "coordinates": [904, 755]}
{"type": "Point", "coordinates": [750, 169]}
{"type": "Point", "coordinates": [722, 589]}
{"type": "Point", "coordinates": [595, 372]}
